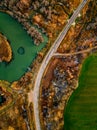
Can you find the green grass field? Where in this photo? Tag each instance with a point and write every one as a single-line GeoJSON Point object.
{"type": "Point", "coordinates": [81, 110]}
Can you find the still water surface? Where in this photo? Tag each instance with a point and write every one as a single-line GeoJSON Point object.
{"type": "Point", "coordinates": [18, 38]}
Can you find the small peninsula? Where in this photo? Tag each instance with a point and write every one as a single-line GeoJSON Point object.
{"type": "Point", "coordinates": [5, 49]}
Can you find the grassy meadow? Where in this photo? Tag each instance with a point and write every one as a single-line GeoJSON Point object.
{"type": "Point", "coordinates": [81, 110]}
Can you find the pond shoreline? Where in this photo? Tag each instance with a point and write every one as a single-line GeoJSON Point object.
{"type": "Point", "coordinates": [18, 37]}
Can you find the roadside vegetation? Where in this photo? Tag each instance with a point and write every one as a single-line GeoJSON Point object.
{"type": "Point", "coordinates": [63, 72]}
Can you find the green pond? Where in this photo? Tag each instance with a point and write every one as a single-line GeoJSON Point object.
{"type": "Point", "coordinates": [24, 50]}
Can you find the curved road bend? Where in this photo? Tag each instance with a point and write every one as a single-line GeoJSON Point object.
{"type": "Point", "coordinates": [46, 60]}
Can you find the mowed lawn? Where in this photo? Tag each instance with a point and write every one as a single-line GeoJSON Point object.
{"type": "Point", "coordinates": [81, 110]}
